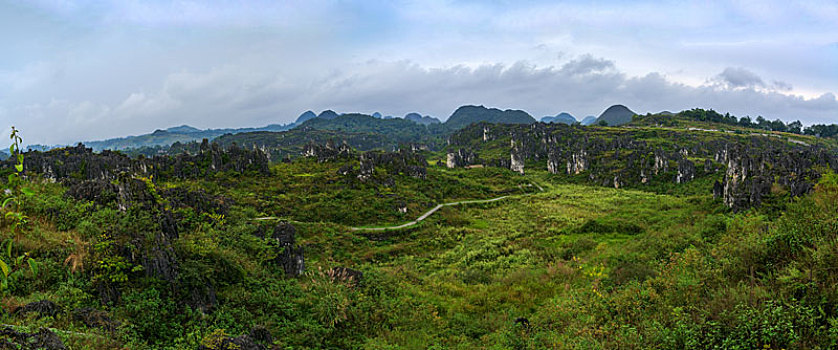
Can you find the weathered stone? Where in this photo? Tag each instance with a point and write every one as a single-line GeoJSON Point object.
{"type": "Point", "coordinates": [516, 162]}
{"type": "Point", "coordinates": [554, 164]}
{"type": "Point", "coordinates": [94, 318]}
{"type": "Point", "coordinates": [460, 158]}
{"type": "Point", "coordinates": [44, 308]}
{"type": "Point", "coordinates": [329, 152]}
{"type": "Point", "coordinates": [43, 339]}
{"type": "Point", "coordinates": [81, 163]}
{"type": "Point", "coordinates": [198, 200]}
{"type": "Point", "coordinates": [243, 342]}
{"type": "Point", "coordinates": [292, 261]}
{"type": "Point", "coordinates": [290, 256]}
{"type": "Point", "coordinates": [284, 234]}
{"type": "Point", "coordinates": [661, 163]}
{"type": "Point", "coordinates": [578, 162]}
{"type": "Point", "coordinates": [686, 171]}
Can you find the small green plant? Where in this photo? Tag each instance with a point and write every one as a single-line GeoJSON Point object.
{"type": "Point", "coordinates": [14, 267]}
{"type": "Point", "coordinates": [15, 192]}
{"type": "Point", "coordinates": [109, 266]}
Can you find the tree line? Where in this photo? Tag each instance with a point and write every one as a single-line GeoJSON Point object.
{"type": "Point", "coordinates": [795, 127]}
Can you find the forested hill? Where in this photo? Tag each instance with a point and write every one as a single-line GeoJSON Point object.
{"type": "Point", "coordinates": [466, 115]}
{"type": "Point", "coordinates": [401, 129]}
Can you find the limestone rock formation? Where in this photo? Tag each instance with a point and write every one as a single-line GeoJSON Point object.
{"type": "Point", "coordinates": [686, 171]}
{"type": "Point", "coordinates": [328, 152]}
{"type": "Point", "coordinates": [577, 163]}
{"type": "Point", "coordinates": [290, 257]}
{"type": "Point", "coordinates": [460, 158]}
{"type": "Point", "coordinates": [42, 339]}
{"type": "Point", "coordinates": [81, 163]}
{"type": "Point", "coordinates": [516, 162]}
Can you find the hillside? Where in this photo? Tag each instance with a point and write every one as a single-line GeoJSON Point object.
{"type": "Point", "coordinates": [615, 115]}
{"type": "Point", "coordinates": [165, 138]}
{"type": "Point", "coordinates": [697, 120]}
{"type": "Point", "coordinates": [327, 115]}
{"type": "Point", "coordinates": [361, 132]}
{"type": "Point", "coordinates": [279, 257]}
{"type": "Point", "coordinates": [466, 115]}
{"type": "Point", "coordinates": [398, 128]}
{"type": "Point", "coordinates": [304, 117]}
{"type": "Point", "coordinates": [418, 118]}
{"type": "Point", "coordinates": [588, 120]}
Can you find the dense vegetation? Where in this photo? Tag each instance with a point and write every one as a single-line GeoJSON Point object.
{"type": "Point", "coordinates": [466, 115]}
{"type": "Point", "coordinates": [795, 127]}
{"type": "Point", "coordinates": [186, 262]}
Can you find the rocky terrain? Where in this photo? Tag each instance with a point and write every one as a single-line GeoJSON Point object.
{"type": "Point", "coordinates": [81, 163]}
{"type": "Point", "coordinates": [638, 158]}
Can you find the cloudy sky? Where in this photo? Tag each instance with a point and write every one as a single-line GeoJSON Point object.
{"type": "Point", "coordinates": [82, 70]}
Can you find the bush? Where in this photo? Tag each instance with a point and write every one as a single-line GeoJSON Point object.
{"type": "Point", "coordinates": [152, 317]}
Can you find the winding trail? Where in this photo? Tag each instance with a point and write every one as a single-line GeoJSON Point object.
{"type": "Point", "coordinates": [426, 214]}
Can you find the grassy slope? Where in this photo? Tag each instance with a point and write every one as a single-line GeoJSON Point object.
{"type": "Point", "coordinates": [540, 257]}
{"type": "Point", "coordinates": [681, 123]}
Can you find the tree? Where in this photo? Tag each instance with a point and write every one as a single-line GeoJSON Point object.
{"type": "Point", "coordinates": [795, 127]}
{"type": "Point", "coordinates": [778, 125]}
{"type": "Point", "coordinates": [745, 121]}
{"type": "Point", "coordinates": [763, 123]}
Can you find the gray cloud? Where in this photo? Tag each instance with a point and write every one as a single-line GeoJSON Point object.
{"type": "Point", "coordinates": [737, 77]}
{"type": "Point", "coordinates": [587, 64]}
{"type": "Point", "coordinates": [231, 96]}
{"type": "Point", "coordinates": [781, 85]}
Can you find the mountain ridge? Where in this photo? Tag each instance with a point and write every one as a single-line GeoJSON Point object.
{"type": "Point", "coordinates": [469, 114]}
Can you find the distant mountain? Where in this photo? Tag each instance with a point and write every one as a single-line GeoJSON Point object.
{"type": "Point", "coordinates": [327, 114]}
{"type": "Point", "coordinates": [466, 115]}
{"type": "Point", "coordinates": [398, 129]}
{"type": "Point", "coordinates": [418, 118]}
{"type": "Point", "coordinates": [376, 115]}
{"type": "Point", "coordinates": [615, 115]}
{"type": "Point", "coordinates": [183, 129]}
{"type": "Point", "coordinates": [562, 117]}
{"type": "Point", "coordinates": [165, 138]}
{"type": "Point", "coordinates": [305, 116]}
{"type": "Point", "coordinates": [588, 120]}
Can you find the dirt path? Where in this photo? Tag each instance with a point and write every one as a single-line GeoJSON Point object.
{"type": "Point", "coordinates": [423, 216]}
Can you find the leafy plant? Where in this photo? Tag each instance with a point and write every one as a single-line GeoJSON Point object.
{"type": "Point", "coordinates": [14, 267]}
{"type": "Point", "coordinates": [15, 192]}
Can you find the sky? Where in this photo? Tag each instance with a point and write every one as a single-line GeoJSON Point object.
{"type": "Point", "coordinates": [88, 70]}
